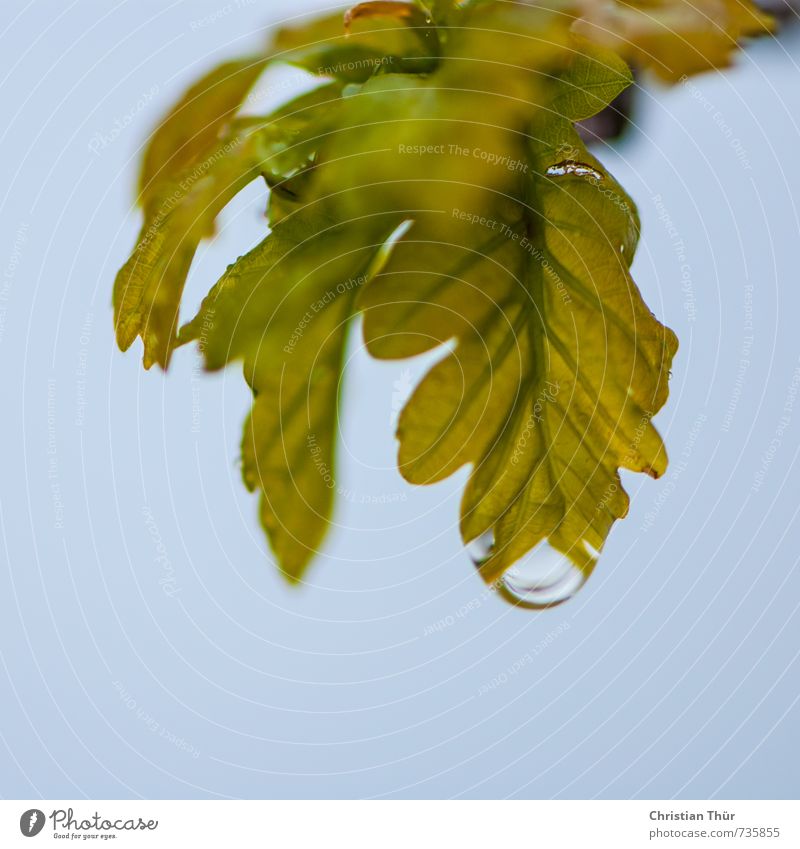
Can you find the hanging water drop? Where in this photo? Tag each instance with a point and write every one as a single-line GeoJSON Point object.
{"type": "Point", "coordinates": [481, 548]}
{"type": "Point", "coordinates": [542, 578]}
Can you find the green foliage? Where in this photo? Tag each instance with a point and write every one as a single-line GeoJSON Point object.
{"type": "Point", "coordinates": [434, 183]}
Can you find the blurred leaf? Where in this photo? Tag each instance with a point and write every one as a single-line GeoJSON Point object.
{"type": "Point", "coordinates": [177, 217]}
{"type": "Point", "coordinates": [194, 125]}
{"type": "Point", "coordinates": [672, 38]}
{"type": "Point", "coordinates": [357, 47]}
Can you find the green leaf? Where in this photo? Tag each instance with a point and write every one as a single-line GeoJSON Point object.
{"type": "Point", "coordinates": [672, 38]}
{"type": "Point", "coordinates": [178, 216]}
{"type": "Point", "coordinates": [192, 128]}
{"type": "Point", "coordinates": [283, 310]}
{"type": "Point", "coordinates": [594, 78]}
{"type": "Point", "coordinates": [148, 288]}
{"type": "Point", "coordinates": [309, 119]}
{"type": "Point", "coordinates": [354, 48]}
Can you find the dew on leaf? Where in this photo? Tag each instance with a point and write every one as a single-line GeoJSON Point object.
{"type": "Point", "coordinates": [571, 168]}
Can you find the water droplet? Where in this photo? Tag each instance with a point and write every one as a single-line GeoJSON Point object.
{"type": "Point", "coordinates": [569, 167]}
{"type": "Point", "coordinates": [481, 548]}
{"type": "Point", "coordinates": [622, 249]}
{"type": "Point", "coordinates": [542, 578]}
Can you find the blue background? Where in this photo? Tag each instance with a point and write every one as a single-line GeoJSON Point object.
{"type": "Point", "coordinates": [391, 672]}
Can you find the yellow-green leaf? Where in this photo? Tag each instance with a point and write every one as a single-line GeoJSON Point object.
{"type": "Point", "coordinates": [672, 38]}
{"type": "Point", "coordinates": [594, 78]}
{"type": "Point", "coordinates": [283, 310]}
{"type": "Point", "coordinates": [148, 288]}
{"type": "Point", "coordinates": [178, 216]}
{"type": "Point", "coordinates": [355, 46]}
{"type": "Point", "coordinates": [193, 127]}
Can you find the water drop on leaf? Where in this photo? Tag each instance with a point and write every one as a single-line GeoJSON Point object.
{"type": "Point", "coordinates": [542, 578]}
{"type": "Point", "coordinates": [569, 167]}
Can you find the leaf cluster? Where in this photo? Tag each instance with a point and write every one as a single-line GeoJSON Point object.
{"type": "Point", "coordinates": [433, 182]}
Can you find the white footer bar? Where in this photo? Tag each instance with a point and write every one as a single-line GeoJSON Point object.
{"type": "Point", "coordinates": [403, 824]}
